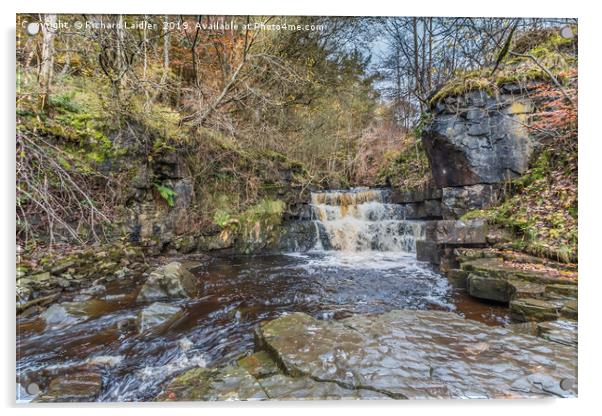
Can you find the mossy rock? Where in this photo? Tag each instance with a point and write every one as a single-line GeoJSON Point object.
{"type": "Point", "coordinates": [496, 267]}
{"type": "Point", "coordinates": [526, 310]}
{"type": "Point", "coordinates": [259, 364]}
{"type": "Point", "coordinates": [200, 384]}
{"type": "Point", "coordinates": [562, 291]}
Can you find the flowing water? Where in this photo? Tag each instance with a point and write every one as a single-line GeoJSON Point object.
{"type": "Point", "coordinates": [362, 261]}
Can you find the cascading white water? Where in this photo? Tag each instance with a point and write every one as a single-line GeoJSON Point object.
{"type": "Point", "coordinates": [362, 220]}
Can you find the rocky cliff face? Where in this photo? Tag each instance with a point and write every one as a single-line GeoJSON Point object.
{"type": "Point", "coordinates": [474, 142]}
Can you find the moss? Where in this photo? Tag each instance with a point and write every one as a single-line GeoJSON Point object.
{"type": "Point", "coordinates": [540, 209]}
{"type": "Point", "coordinates": [464, 83]}
{"type": "Point", "coordinates": [553, 51]}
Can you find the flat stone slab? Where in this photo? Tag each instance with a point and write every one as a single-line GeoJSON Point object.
{"type": "Point", "coordinates": [421, 355]}
{"type": "Point", "coordinates": [259, 365]}
{"type": "Point", "coordinates": [561, 291]}
{"type": "Point", "coordinates": [262, 382]}
{"type": "Point", "coordinates": [538, 310]}
{"type": "Point", "coordinates": [561, 331]}
{"type": "Point", "coordinates": [497, 267]}
{"type": "Point", "coordinates": [73, 387]}
{"type": "Point", "coordinates": [202, 384]}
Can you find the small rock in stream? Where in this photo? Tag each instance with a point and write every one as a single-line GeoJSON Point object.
{"type": "Point", "coordinates": [168, 282]}
{"type": "Point", "coordinates": [156, 315]}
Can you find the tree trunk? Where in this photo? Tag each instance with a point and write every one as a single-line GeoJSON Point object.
{"type": "Point", "coordinates": [46, 67]}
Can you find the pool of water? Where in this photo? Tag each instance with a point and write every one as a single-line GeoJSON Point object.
{"type": "Point", "coordinates": [236, 293]}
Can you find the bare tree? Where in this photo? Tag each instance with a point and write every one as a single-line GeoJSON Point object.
{"type": "Point", "coordinates": [47, 61]}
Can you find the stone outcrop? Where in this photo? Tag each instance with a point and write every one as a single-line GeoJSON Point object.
{"type": "Point", "coordinates": [419, 204]}
{"type": "Point", "coordinates": [475, 142]}
{"type": "Point", "coordinates": [400, 354]}
{"type": "Point", "coordinates": [168, 282]}
{"type": "Point", "coordinates": [477, 138]}
{"type": "Point", "coordinates": [442, 236]}
{"type": "Point", "coordinates": [397, 355]}
{"type": "Point", "coordinates": [457, 201]}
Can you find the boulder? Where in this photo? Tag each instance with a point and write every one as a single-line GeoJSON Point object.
{"type": "Point", "coordinates": [168, 282]}
{"type": "Point", "coordinates": [477, 138]}
{"type": "Point", "coordinates": [156, 315]}
{"type": "Point", "coordinates": [457, 277]}
{"type": "Point", "coordinates": [488, 288]}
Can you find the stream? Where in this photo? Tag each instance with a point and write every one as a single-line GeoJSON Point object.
{"type": "Point", "coordinates": [362, 263]}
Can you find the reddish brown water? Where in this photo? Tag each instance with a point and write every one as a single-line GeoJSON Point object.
{"type": "Point", "coordinates": [236, 294]}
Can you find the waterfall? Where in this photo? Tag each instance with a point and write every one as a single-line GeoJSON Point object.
{"type": "Point", "coordinates": [362, 219]}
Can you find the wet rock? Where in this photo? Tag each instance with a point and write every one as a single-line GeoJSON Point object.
{"type": "Point", "coordinates": [488, 288]}
{"type": "Point", "coordinates": [259, 365]}
{"type": "Point", "coordinates": [561, 331]}
{"type": "Point", "coordinates": [170, 281]}
{"type": "Point", "coordinates": [428, 251]}
{"type": "Point", "coordinates": [497, 267]}
{"type": "Point", "coordinates": [417, 354]}
{"type": "Point", "coordinates": [526, 328]}
{"type": "Point", "coordinates": [81, 386]}
{"type": "Point", "coordinates": [230, 383]}
{"type": "Point", "coordinates": [282, 387]}
{"type": "Point", "coordinates": [458, 278]}
{"type": "Point", "coordinates": [57, 316]}
{"type": "Point", "coordinates": [457, 201]}
{"type": "Point", "coordinates": [429, 209]}
{"type": "Point", "coordinates": [569, 310]}
{"type": "Point", "coordinates": [297, 236]}
{"type": "Point", "coordinates": [157, 314]}
{"type": "Point", "coordinates": [541, 383]}
{"type": "Point", "coordinates": [538, 310]}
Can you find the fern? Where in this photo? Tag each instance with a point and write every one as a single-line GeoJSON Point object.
{"type": "Point", "coordinates": [166, 193]}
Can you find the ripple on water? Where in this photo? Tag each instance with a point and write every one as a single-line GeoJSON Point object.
{"type": "Point", "coordinates": [238, 292]}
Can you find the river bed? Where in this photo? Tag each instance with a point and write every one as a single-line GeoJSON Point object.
{"type": "Point", "coordinates": [237, 292]}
